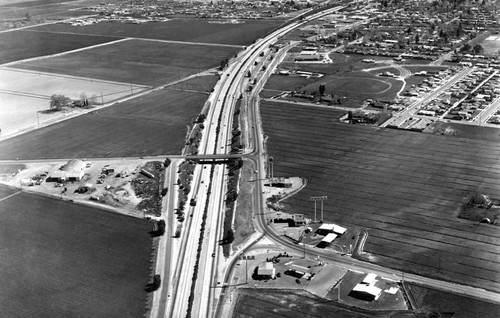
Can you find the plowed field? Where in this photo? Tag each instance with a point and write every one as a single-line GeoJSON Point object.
{"type": "Point", "coordinates": [405, 188]}
{"type": "Point", "coordinates": [152, 124]}
{"type": "Point", "coordinates": [61, 259]}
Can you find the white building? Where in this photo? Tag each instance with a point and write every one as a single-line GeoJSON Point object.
{"type": "Point", "coordinates": [71, 171]}
{"type": "Point", "coordinates": [331, 228]}
{"type": "Point", "coordinates": [267, 271]}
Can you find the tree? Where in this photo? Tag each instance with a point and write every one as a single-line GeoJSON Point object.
{"type": "Point", "coordinates": [478, 49]}
{"type": "Point", "coordinates": [58, 102]}
{"type": "Point", "coordinates": [156, 282]}
{"type": "Point", "coordinates": [223, 64]}
{"type": "Point", "coordinates": [466, 47]}
{"type": "Point", "coordinates": [322, 89]}
{"type": "Point", "coordinates": [161, 228]}
{"type": "Point", "coordinates": [84, 100]}
{"type": "Point", "coordinates": [28, 17]}
{"type": "Point", "coordinates": [167, 162]}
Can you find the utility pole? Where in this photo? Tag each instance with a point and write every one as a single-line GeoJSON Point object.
{"type": "Point", "coordinates": [338, 289]}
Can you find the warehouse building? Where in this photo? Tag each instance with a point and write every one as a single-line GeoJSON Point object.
{"type": "Point", "coordinates": [71, 171]}
{"type": "Point", "coordinates": [367, 290]}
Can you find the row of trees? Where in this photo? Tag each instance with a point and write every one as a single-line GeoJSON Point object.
{"type": "Point", "coordinates": [59, 102]}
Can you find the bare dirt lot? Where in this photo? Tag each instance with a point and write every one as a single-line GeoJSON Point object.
{"type": "Point", "coordinates": [61, 259]}
{"type": "Point", "coordinates": [405, 188]}
{"type": "Point", "coordinates": [110, 190]}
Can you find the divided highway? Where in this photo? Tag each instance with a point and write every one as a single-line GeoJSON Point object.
{"type": "Point", "coordinates": [216, 140]}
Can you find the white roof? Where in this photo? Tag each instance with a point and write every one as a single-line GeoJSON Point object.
{"type": "Point", "coordinates": [370, 278]}
{"type": "Point", "coordinates": [339, 229]}
{"type": "Point", "coordinates": [329, 238]}
{"type": "Point", "coordinates": [328, 227]}
{"type": "Point", "coordinates": [333, 228]}
{"type": "Point", "coordinates": [267, 269]}
{"type": "Point", "coordinates": [368, 289]}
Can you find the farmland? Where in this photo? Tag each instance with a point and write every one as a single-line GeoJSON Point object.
{"type": "Point", "coordinates": [21, 44]}
{"type": "Point", "coordinates": [152, 124]}
{"type": "Point", "coordinates": [60, 259]}
{"type": "Point", "coordinates": [179, 29]}
{"type": "Point", "coordinates": [294, 303]}
{"type": "Point", "coordinates": [405, 188]}
{"type": "Point", "coordinates": [434, 300]}
{"type": "Point", "coordinates": [25, 95]}
{"type": "Point", "coordinates": [156, 64]}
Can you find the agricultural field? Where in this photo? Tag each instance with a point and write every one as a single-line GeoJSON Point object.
{"type": "Point", "coordinates": [152, 124]}
{"type": "Point", "coordinates": [25, 95]}
{"type": "Point", "coordinates": [29, 3]}
{"type": "Point", "coordinates": [61, 259]}
{"type": "Point", "coordinates": [136, 61]}
{"type": "Point", "coordinates": [406, 189]}
{"type": "Point", "coordinates": [23, 44]}
{"type": "Point", "coordinates": [177, 29]}
{"type": "Point", "coordinates": [434, 300]}
{"type": "Point", "coordinates": [256, 303]}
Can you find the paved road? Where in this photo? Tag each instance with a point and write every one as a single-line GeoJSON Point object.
{"type": "Point", "coordinates": [257, 158]}
{"type": "Point", "coordinates": [429, 97]}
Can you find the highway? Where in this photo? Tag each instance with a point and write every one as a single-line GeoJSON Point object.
{"type": "Point", "coordinates": [204, 299]}
{"type": "Point", "coordinates": [215, 141]}
{"type": "Point", "coordinates": [252, 132]}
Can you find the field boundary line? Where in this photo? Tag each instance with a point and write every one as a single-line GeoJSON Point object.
{"type": "Point", "coordinates": [86, 79]}
{"type": "Point", "coordinates": [189, 42]}
{"type": "Point", "coordinates": [64, 53]}
{"type": "Point", "coordinates": [9, 196]}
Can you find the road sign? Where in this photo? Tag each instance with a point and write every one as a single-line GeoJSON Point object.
{"type": "Point", "coordinates": [320, 198]}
